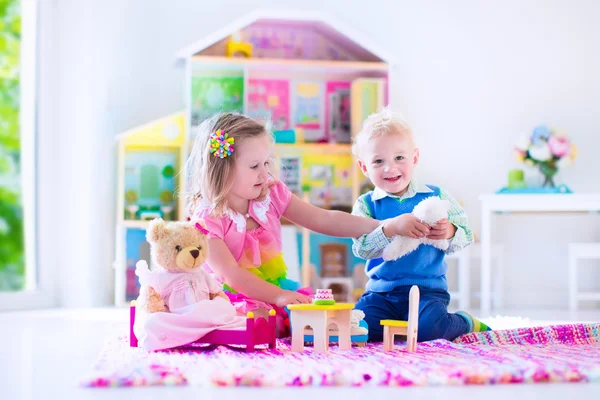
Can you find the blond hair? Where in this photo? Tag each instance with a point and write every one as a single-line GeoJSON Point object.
{"type": "Point", "coordinates": [210, 177]}
{"type": "Point", "coordinates": [380, 123]}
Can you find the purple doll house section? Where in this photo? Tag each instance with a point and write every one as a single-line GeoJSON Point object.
{"type": "Point", "coordinates": [337, 111]}
{"type": "Point", "coordinates": [268, 101]}
{"type": "Point", "coordinates": [308, 109]}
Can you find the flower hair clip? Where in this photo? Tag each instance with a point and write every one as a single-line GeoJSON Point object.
{"type": "Point", "coordinates": [221, 145]}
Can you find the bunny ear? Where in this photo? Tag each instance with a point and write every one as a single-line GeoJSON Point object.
{"type": "Point", "coordinates": [200, 225]}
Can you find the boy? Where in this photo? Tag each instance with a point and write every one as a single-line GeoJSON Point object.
{"type": "Point", "coordinates": [387, 155]}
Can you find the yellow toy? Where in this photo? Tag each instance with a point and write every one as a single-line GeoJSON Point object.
{"type": "Point", "coordinates": [408, 328]}
{"type": "Point", "coordinates": [235, 47]}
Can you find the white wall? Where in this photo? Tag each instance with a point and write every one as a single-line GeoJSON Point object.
{"type": "Point", "coordinates": [471, 77]}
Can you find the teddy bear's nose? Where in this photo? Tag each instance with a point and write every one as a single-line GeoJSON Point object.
{"type": "Point", "coordinates": [194, 253]}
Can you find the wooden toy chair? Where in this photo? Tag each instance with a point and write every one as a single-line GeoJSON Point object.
{"type": "Point", "coordinates": [409, 328]}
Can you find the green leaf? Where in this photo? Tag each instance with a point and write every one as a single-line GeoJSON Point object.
{"type": "Point", "coordinates": [15, 26]}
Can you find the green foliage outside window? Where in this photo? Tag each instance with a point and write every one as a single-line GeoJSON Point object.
{"type": "Point", "coordinates": [12, 259]}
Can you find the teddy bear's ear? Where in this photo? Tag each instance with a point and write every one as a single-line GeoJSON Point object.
{"type": "Point", "coordinates": [156, 229]}
{"type": "Point", "coordinates": [200, 225]}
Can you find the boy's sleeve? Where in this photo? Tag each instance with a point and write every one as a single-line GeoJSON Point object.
{"type": "Point", "coordinates": [371, 245]}
{"type": "Point", "coordinates": [457, 217]}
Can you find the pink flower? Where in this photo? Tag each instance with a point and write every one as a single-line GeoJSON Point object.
{"type": "Point", "coordinates": [559, 146]}
{"type": "Point", "coordinates": [521, 155]}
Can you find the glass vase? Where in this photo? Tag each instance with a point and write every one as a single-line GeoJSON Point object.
{"type": "Point", "coordinates": [548, 171]}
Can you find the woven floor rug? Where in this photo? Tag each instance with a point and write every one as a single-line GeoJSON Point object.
{"type": "Point", "coordinates": [561, 353]}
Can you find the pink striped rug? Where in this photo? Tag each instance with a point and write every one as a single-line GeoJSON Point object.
{"type": "Point", "coordinates": [563, 353]}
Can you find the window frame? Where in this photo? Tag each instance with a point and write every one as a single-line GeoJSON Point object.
{"type": "Point", "coordinates": [39, 290]}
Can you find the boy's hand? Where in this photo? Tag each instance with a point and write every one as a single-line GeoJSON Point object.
{"type": "Point", "coordinates": [406, 225]}
{"type": "Point", "coordinates": [288, 297]}
{"type": "Point", "coordinates": [442, 229]}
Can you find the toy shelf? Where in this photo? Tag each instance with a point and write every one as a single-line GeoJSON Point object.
{"type": "Point", "coordinates": [329, 148]}
{"type": "Point", "coordinates": [128, 223]}
{"type": "Point", "coordinates": [293, 65]}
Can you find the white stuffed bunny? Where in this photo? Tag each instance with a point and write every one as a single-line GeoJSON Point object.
{"type": "Point", "coordinates": [429, 211]}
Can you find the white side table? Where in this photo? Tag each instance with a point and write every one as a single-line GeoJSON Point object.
{"type": "Point", "coordinates": [523, 203]}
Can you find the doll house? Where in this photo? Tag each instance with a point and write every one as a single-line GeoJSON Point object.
{"type": "Point", "coordinates": [149, 160]}
{"type": "Point", "coordinates": [312, 81]}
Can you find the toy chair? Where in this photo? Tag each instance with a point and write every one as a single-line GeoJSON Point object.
{"type": "Point", "coordinates": [334, 272]}
{"type": "Point", "coordinates": [408, 328]}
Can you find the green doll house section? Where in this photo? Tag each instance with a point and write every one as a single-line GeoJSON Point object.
{"type": "Point", "coordinates": [150, 185]}
{"type": "Point", "coordinates": [212, 94]}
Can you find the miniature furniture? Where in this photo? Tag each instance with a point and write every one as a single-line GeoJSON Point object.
{"type": "Point", "coordinates": [258, 331]}
{"type": "Point", "coordinates": [237, 48]}
{"type": "Point", "coordinates": [409, 328]}
{"type": "Point", "coordinates": [358, 336]}
{"type": "Point", "coordinates": [334, 271]}
{"type": "Point", "coordinates": [579, 251]}
{"type": "Point", "coordinates": [319, 318]}
{"type": "Point", "coordinates": [532, 203]}
{"type": "Point", "coordinates": [333, 260]}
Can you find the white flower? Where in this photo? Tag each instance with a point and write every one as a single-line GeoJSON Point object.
{"type": "Point", "coordinates": [540, 152]}
{"type": "Point", "coordinates": [564, 162]}
{"type": "Point", "coordinates": [523, 143]}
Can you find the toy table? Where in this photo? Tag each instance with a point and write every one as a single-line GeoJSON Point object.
{"type": "Point", "coordinates": [319, 317]}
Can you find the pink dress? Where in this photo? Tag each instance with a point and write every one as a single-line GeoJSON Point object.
{"type": "Point", "coordinates": [191, 313]}
{"type": "Point", "coordinates": [258, 250]}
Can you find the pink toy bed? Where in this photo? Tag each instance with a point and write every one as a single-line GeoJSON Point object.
{"type": "Point", "coordinates": [258, 331]}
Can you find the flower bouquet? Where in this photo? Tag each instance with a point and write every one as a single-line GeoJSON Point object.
{"type": "Point", "coordinates": [548, 150]}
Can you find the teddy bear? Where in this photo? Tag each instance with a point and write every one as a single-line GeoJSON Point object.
{"type": "Point", "coordinates": [428, 211]}
{"type": "Point", "coordinates": [179, 249]}
{"type": "Point", "coordinates": [179, 300]}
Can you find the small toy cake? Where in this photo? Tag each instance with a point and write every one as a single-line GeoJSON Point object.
{"type": "Point", "coordinates": [324, 297]}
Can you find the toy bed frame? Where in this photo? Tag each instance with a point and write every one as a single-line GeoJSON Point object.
{"type": "Point", "coordinates": [258, 331]}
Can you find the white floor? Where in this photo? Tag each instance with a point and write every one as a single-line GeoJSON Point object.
{"type": "Point", "coordinates": [45, 353]}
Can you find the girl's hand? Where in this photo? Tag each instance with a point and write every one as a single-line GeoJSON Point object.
{"type": "Point", "coordinates": [288, 297]}
{"type": "Point", "coordinates": [406, 225]}
{"type": "Point", "coordinates": [442, 229]}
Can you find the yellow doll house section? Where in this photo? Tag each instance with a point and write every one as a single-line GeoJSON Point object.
{"type": "Point", "coordinates": [150, 159]}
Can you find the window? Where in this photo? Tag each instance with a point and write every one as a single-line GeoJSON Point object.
{"type": "Point", "coordinates": [12, 250]}
{"type": "Point", "coordinates": [19, 277]}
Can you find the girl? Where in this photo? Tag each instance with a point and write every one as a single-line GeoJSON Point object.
{"type": "Point", "coordinates": [234, 189]}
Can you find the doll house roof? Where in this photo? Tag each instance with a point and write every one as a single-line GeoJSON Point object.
{"type": "Point", "coordinates": [296, 31]}
{"type": "Point", "coordinates": [167, 131]}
